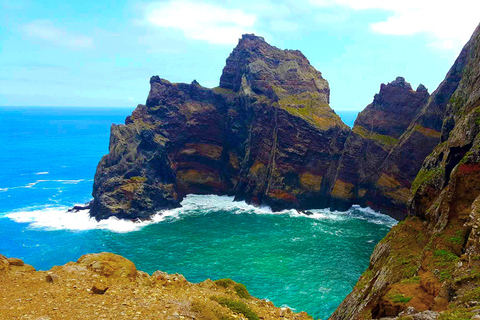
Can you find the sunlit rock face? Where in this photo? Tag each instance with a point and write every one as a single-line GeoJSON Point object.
{"type": "Point", "coordinates": [266, 135]}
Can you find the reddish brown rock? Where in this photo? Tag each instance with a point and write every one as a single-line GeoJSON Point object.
{"type": "Point", "coordinates": [375, 133]}
{"type": "Point", "coordinates": [267, 135]}
{"type": "Point", "coordinates": [431, 260]}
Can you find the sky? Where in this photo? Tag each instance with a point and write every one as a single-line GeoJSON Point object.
{"type": "Point", "coordinates": [103, 52]}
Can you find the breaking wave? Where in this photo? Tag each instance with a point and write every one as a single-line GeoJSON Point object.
{"type": "Point", "coordinates": [58, 217]}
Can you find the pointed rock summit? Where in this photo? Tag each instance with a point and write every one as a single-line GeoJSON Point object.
{"type": "Point", "coordinates": [375, 133]}
{"type": "Point", "coordinates": [268, 70]}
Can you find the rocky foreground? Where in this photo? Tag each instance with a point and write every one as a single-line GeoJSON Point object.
{"type": "Point", "coordinates": [108, 286]}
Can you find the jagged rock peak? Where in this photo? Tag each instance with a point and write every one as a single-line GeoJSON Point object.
{"type": "Point", "coordinates": [400, 83]}
{"type": "Point", "coordinates": [252, 37]}
{"type": "Point", "coordinates": [254, 66]}
{"type": "Point", "coordinates": [421, 88]}
{"type": "Point", "coordinates": [157, 79]}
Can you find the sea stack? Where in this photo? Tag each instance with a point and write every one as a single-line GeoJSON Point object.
{"type": "Point", "coordinates": [266, 135]}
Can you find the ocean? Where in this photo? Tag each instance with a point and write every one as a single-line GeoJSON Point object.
{"type": "Point", "coordinates": [49, 156]}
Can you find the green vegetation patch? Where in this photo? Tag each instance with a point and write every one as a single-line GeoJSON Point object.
{"type": "Point", "coordinates": [241, 291]}
{"type": "Point", "coordinates": [226, 283]}
{"type": "Point", "coordinates": [384, 140]}
{"type": "Point", "coordinates": [472, 295]}
{"type": "Point", "coordinates": [237, 307]}
{"type": "Point", "coordinates": [456, 314]}
{"type": "Point", "coordinates": [477, 116]}
{"type": "Point", "coordinates": [401, 298]}
{"type": "Point", "coordinates": [205, 311]}
{"type": "Point", "coordinates": [412, 280]}
{"type": "Point", "coordinates": [457, 238]}
{"type": "Point", "coordinates": [444, 255]}
{"type": "Point", "coordinates": [424, 176]}
{"type": "Point", "coordinates": [365, 279]}
{"type": "Point", "coordinates": [445, 275]}
{"type": "Point", "coordinates": [308, 106]}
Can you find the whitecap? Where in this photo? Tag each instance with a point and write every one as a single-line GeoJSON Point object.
{"type": "Point", "coordinates": [69, 181]}
{"type": "Point", "coordinates": [42, 173]}
{"type": "Point", "coordinates": [58, 218]}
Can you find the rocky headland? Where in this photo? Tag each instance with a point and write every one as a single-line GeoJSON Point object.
{"type": "Point", "coordinates": [266, 135]}
{"type": "Point", "coordinates": [108, 286]}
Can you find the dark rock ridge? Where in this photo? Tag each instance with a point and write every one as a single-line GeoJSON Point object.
{"type": "Point", "coordinates": [375, 134]}
{"type": "Point", "coordinates": [266, 135]}
{"type": "Point", "coordinates": [431, 261]}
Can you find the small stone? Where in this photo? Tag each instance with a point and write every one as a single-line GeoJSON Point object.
{"type": "Point", "coordinates": [476, 317]}
{"type": "Point", "coordinates": [99, 288]}
{"type": "Point", "coordinates": [51, 277]}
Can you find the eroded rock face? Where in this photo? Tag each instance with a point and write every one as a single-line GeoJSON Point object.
{"type": "Point", "coordinates": [376, 132]}
{"type": "Point", "coordinates": [431, 260]}
{"type": "Point", "coordinates": [267, 135]}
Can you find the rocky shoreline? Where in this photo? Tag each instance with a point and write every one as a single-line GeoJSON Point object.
{"type": "Point", "coordinates": [108, 286]}
{"type": "Point", "coordinates": [267, 136]}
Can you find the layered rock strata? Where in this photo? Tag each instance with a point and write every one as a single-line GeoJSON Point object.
{"type": "Point", "coordinates": [375, 134]}
{"type": "Point", "coordinates": [266, 135]}
{"type": "Point", "coordinates": [431, 261]}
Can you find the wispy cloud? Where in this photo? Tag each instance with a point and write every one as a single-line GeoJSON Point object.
{"type": "Point", "coordinates": [45, 30]}
{"type": "Point", "coordinates": [201, 21]}
{"type": "Point", "coordinates": [449, 24]}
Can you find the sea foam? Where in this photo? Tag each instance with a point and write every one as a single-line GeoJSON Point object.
{"type": "Point", "coordinates": [58, 217]}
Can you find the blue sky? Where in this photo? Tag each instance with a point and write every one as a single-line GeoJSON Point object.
{"type": "Point", "coordinates": [102, 53]}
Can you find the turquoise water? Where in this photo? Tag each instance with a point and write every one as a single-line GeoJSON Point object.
{"type": "Point", "coordinates": [49, 157]}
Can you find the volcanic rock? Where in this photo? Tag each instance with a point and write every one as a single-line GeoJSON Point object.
{"type": "Point", "coordinates": [430, 260]}
{"type": "Point", "coordinates": [375, 133]}
{"type": "Point", "coordinates": [266, 135]}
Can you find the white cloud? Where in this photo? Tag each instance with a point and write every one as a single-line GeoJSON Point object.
{"type": "Point", "coordinates": [45, 30]}
{"type": "Point", "coordinates": [448, 23]}
{"type": "Point", "coordinates": [201, 21]}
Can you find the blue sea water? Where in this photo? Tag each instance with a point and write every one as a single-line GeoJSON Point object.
{"type": "Point", "coordinates": [48, 160]}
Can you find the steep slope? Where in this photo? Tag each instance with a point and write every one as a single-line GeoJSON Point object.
{"type": "Point", "coordinates": [375, 133]}
{"type": "Point", "coordinates": [108, 286]}
{"type": "Point", "coordinates": [266, 135]}
{"type": "Point", "coordinates": [431, 261]}
{"type": "Point", "coordinates": [398, 171]}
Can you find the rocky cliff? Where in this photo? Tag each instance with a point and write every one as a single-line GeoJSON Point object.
{"type": "Point", "coordinates": [431, 261]}
{"type": "Point", "coordinates": [108, 286]}
{"type": "Point", "coordinates": [266, 135]}
{"type": "Point", "coordinates": [375, 134]}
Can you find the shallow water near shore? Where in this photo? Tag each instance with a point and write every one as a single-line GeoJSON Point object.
{"type": "Point", "coordinates": [309, 263]}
